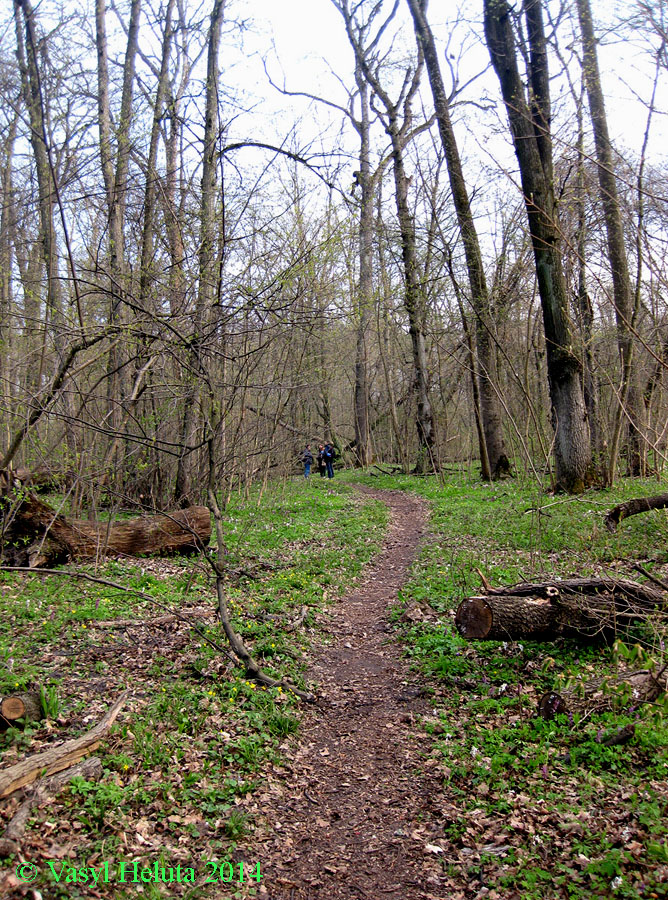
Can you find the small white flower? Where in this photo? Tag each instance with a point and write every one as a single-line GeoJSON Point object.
{"type": "Point", "coordinates": [474, 751]}
{"type": "Point", "coordinates": [616, 883]}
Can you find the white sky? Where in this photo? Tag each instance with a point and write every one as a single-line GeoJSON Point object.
{"type": "Point", "coordinates": [310, 39]}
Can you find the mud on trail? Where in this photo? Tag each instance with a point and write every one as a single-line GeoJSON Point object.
{"type": "Point", "coordinates": [350, 811]}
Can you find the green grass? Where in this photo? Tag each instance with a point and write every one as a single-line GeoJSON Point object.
{"type": "Point", "coordinates": [187, 757]}
{"type": "Point", "coordinates": [506, 767]}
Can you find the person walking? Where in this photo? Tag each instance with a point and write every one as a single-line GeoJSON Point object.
{"type": "Point", "coordinates": [322, 466]}
{"type": "Point", "coordinates": [307, 459]}
{"type": "Point", "coordinates": [328, 452]}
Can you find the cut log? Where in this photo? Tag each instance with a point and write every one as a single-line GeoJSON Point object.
{"type": "Point", "coordinates": [35, 535]}
{"type": "Point", "coordinates": [633, 507]}
{"type": "Point", "coordinates": [90, 769]}
{"type": "Point", "coordinates": [26, 705]}
{"type": "Point", "coordinates": [602, 694]}
{"type": "Point", "coordinates": [586, 607]}
{"type": "Point", "coordinates": [55, 759]}
{"type": "Point", "coordinates": [502, 618]}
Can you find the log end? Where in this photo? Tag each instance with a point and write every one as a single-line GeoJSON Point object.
{"type": "Point", "coordinates": [26, 705]}
{"type": "Point", "coordinates": [474, 618]}
{"type": "Point", "coordinates": [551, 704]}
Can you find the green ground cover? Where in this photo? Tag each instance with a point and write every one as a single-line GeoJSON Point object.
{"type": "Point", "coordinates": [184, 767]}
{"type": "Point", "coordinates": [540, 809]}
{"type": "Point", "coordinates": [192, 750]}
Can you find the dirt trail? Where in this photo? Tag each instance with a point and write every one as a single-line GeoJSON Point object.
{"type": "Point", "coordinates": [352, 810]}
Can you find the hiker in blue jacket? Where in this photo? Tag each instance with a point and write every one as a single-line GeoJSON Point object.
{"type": "Point", "coordinates": [329, 454]}
{"type": "Point", "coordinates": [307, 459]}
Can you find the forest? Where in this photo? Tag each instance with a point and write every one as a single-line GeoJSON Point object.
{"type": "Point", "coordinates": [434, 238]}
{"type": "Point", "coordinates": [407, 268]}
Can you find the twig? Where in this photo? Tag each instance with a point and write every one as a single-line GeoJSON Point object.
{"type": "Point", "coordinates": [657, 581]}
{"type": "Point", "coordinates": [119, 587]}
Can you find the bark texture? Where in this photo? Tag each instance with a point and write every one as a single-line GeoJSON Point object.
{"type": "Point", "coordinates": [633, 507]}
{"type": "Point", "coordinates": [585, 607]}
{"type": "Point", "coordinates": [529, 121]}
{"type": "Point", "coordinates": [34, 534]}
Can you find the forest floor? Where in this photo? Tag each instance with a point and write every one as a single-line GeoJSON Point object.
{"type": "Point", "coordinates": [422, 771]}
{"type": "Point", "coordinates": [351, 810]}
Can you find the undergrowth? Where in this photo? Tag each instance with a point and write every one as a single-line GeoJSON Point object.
{"type": "Point", "coordinates": [183, 764]}
{"type": "Point", "coordinates": [544, 809]}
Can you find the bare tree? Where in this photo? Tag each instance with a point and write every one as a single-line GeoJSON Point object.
{"type": "Point", "coordinates": [626, 310]}
{"type": "Point", "coordinates": [398, 120]}
{"type": "Point", "coordinates": [529, 119]}
{"type": "Point", "coordinates": [493, 457]}
{"type": "Point", "coordinates": [206, 257]}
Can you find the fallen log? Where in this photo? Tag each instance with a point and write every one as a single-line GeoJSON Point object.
{"type": "Point", "coordinates": [26, 705]}
{"type": "Point", "coordinates": [60, 757]}
{"type": "Point", "coordinates": [612, 739]}
{"type": "Point", "coordinates": [501, 618]}
{"type": "Point", "coordinates": [90, 769]}
{"type": "Point", "coordinates": [551, 590]}
{"type": "Point", "coordinates": [543, 611]}
{"type": "Point", "coordinates": [603, 694]}
{"type": "Point", "coordinates": [632, 508]}
{"type": "Point", "coordinates": [44, 479]}
{"type": "Point", "coordinates": [36, 535]}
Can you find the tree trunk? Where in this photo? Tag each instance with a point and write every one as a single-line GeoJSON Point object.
{"type": "Point", "coordinates": [530, 130]}
{"type": "Point", "coordinates": [116, 186]}
{"type": "Point", "coordinates": [184, 489]}
{"type": "Point", "coordinates": [27, 55]}
{"type": "Point", "coordinates": [146, 270]}
{"type": "Point", "coordinates": [617, 257]}
{"type": "Point", "coordinates": [585, 312]}
{"type": "Point", "coordinates": [35, 535]}
{"type": "Point", "coordinates": [415, 303]}
{"type": "Point", "coordinates": [365, 285]}
{"type": "Point", "coordinates": [485, 359]}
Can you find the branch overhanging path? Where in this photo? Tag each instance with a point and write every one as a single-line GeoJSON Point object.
{"type": "Point", "coordinates": [350, 802]}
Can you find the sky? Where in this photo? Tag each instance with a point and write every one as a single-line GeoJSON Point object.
{"type": "Point", "coordinates": [305, 39]}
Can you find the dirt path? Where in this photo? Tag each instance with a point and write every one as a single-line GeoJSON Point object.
{"type": "Point", "coordinates": [351, 810]}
